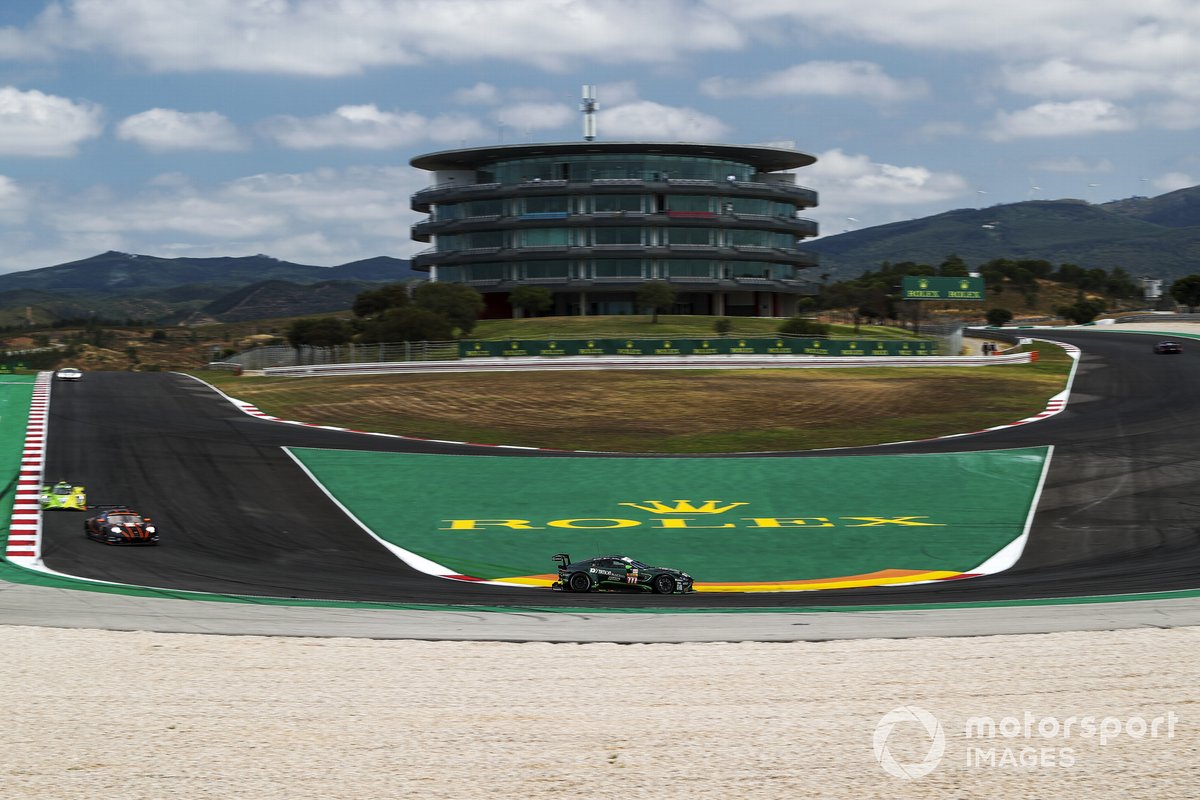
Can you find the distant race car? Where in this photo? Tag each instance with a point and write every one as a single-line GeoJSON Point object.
{"type": "Point", "coordinates": [64, 494]}
{"type": "Point", "coordinates": [1168, 347]}
{"type": "Point", "coordinates": [618, 573]}
{"type": "Point", "coordinates": [120, 525]}
{"type": "Point", "coordinates": [69, 374]}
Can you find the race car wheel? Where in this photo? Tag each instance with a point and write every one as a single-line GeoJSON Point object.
{"type": "Point", "coordinates": [579, 582]}
{"type": "Point", "coordinates": [663, 584]}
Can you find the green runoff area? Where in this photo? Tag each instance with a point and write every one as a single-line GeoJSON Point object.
{"type": "Point", "coordinates": [733, 523]}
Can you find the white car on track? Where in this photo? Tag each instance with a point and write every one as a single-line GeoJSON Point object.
{"type": "Point", "coordinates": [69, 374]}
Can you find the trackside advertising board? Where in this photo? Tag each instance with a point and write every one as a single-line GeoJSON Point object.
{"type": "Point", "coordinates": [784, 346]}
{"type": "Point", "coordinates": [921, 287]}
{"type": "Point", "coordinates": [734, 524]}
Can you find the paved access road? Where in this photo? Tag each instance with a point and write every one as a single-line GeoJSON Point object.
{"type": "Point", "coordinates": [1118, 513]}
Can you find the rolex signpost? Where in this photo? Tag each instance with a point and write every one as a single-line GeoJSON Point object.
{"type": "Point", "coordinates": [927, 287]}
{"type": "Point", "coordinates": [923, 287]}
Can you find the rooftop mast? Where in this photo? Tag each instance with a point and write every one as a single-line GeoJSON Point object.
{"type": "Point", "coordinates": [588, 107]}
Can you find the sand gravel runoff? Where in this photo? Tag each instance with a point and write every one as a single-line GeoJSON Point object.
{"type": "Point", "coordinates": [131, 715]}
{"type": "Point", "coordinates": [139, 715]}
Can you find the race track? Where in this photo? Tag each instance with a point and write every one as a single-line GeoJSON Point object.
{"type": "Point", "coordinates": [1117, 514]}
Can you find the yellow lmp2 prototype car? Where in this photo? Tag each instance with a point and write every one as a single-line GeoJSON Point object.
{"type": "Point", "coordinates": [64, 494]}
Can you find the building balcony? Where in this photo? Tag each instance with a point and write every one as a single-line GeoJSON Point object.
{"type": "Point", "coordinates": [801, 227]}
{"type": "Point", "coordinates": [450, 192]}
{"type": "Point", "coordinates": [425, 259]}
{"type": "Point", "coordinates": [684, 283]}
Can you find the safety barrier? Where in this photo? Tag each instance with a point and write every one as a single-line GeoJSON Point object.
{"type": "Point", "coordinates": [651, 362]}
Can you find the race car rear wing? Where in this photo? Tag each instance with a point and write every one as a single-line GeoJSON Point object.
{"type": "Point", "coordinates": [562, 558]}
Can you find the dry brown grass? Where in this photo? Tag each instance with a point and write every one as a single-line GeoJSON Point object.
{"type": "Point", "coordinates": [665, 411]}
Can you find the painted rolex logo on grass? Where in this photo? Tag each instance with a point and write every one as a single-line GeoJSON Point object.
{"type": "Point", "coordinates": [773, 525]}
{"type": "Point", "coordinates": [677, 521]}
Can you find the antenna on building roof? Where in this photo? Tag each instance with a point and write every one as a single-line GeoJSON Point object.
{"type": "Point", "coordinates": [588, 107]}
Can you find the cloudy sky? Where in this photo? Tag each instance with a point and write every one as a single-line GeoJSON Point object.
{"type": "Point", "coordinates": [285, 127]}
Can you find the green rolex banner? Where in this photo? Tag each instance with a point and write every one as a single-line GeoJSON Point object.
{"type": "Point", "coordinates": [779, 346]}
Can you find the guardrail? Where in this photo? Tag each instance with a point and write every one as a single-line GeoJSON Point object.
{"type": "Point", "coordinates": [653, 362]}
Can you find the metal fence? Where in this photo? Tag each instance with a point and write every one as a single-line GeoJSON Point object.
{"type": "Point", "coordinates": [283, 356]}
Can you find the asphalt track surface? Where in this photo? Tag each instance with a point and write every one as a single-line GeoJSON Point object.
{"type": "Point", "coordinates": [1118, 513]}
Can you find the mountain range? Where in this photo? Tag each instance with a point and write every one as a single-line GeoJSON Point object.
{"type": "Point", "coordinates": [120, 286]}
{"type": "Point", "coordinates": [1157, 237]}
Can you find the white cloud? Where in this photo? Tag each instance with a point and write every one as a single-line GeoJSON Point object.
{"type": "Point", "coordinates": [346, 37]}
{"type": "Point", "coordinates": [1080, 117]}
{"type": "Point", "coordinates": [1112, 30]}
{"type": "Point", "coordinates": [536, 116]}
{"type": "Point", "coordinates": [37, 124]}
{"type": "Point", "coordinates": [616, 93]}
{"type": "Point", "coordinates": [826, 78]}
{"type": "Point", "coordinates": [1176, 115]}
{"type": "Point", "coordinates": [481, 94]}
{"type": "Point", "coordinates": [1172, 181]}
{"type": "Point", "coordinates": [941, 130]}
{"type": "Point", "coordinates": [164, 129]}
{"type": "Point", "coordinates": [854, 181]}
{"type": "Point", "coordinates": [1061, 77]}
{"type": "Point", "coordinates": [645, 119]}
{"type": "Point", "coordinates": [325, 216]}
{"type": "Point", "coordinates": [13, 201]}
{"type": "Point", "coordinates": [367, 127]}
{"type": "Point", "coordinates": [1071, 164]}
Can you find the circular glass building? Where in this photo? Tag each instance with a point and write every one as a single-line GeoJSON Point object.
{"type": "Point", "coordinates": [593, 221]}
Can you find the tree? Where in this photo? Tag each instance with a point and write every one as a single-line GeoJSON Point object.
{"type": "Point", "coordinates": [802, 326]}
{"type": "Point", "coordinates": [408, 324]}
{"type": "Point", "coordinates": [457, 302]}
{"type": "Point", "coordinates": [318, 332]}
{"type": "Point", "coordinates": [376, 301]}
{"type": "Point", "coordinates": [657, 296]}
{"type": "Point", "coordinates": [1186, 290]}
{"type": "Point", "coordinates": [1083, 311]}
{"type": "Point", "coordinates": [953, 267]}
{"type": "Point", "coordinates": [998, 317]}
{"type": "Point", "coordinates": [531, 300]}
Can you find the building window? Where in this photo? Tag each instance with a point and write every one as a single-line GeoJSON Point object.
{"type": "Point", "coordinates": [546, 205]}
{"type": "Point", "coordinates": [743, 238]}
{"type": "Point", "coordinates": [485, 272]}
{"type": "Point", "coordinates": [617, 268]}
{"type": "Point", "coordinates": [614, 203]}
{"type": "Point", "coordinates": [749, 269]}
{"type": "Point", "coordinates": [544, 237]}
{"type": "Point", "coordinates": [548, 269]}
{"type": "Point", "coordinates": [619, 235]}
{"type": "Point", "coordinates": [689, 202]}
{"type": "Point", "coordinates": [680, 268]}
{"type": "Point", "coordinates": [690, 235]}
{"type": "Point", "coordinates": [470, 241]}
{"type": "Point", "coordinates": [601, 166]}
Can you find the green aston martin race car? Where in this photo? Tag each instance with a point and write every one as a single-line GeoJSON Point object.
{"type": "Point", "coordinates": [618, 573]}
{"type": "Point", "coordinates": [64, 494]}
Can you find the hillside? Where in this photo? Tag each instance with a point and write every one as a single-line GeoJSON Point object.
{"type": "Point", "coordinates": [116, 286]}
{"type": "Point", "coordinates": [271, 299]}
{"type": "Point", "coordinates": [1156, 237]}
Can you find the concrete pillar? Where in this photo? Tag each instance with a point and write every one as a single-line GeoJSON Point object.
{"type": "Point", "coordinates": [583, 301]}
